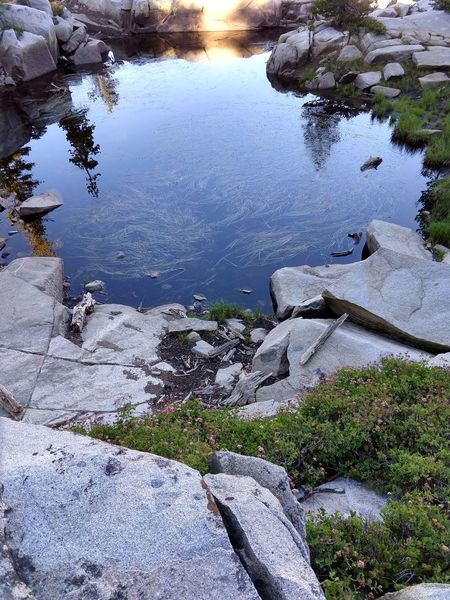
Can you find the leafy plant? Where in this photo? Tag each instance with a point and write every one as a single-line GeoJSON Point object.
{"type": "Point", "coordinates": [220, 311]}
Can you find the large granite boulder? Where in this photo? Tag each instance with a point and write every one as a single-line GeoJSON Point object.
{"type": "Point", "coordinates": [348, 346]}
{"type": "Point", "coordinates": [288, 56]}
{"type": "Point", "coordinates": [90, 53]}
{"type": "Point", "coordinates": [26, 56]}
{"type": "Point", "coordinates": [270, 476]}
{"type": "Point", "coordinates": [298, 290]}
{"type": "Point", "coordinates": [85, 519]}
{"type": "Point", "coordinates": [364, 81]}
{"type": "Point", "coordinates": [400, 295]}
{"type": "Point", "coordinates": [381, 234]}
{"type": "Point", "coordinates": [32, 20]}
{"type": "Point", "coordinates": [328, 39]}
{"type": "Point", "coordinates": [423, 591]}
{"type": "Point", "coordinates": [428, 27]}
{"type": "Point", "coordinates": [44, 273]}
{"type": "Point", "coordinates": [266, 541]}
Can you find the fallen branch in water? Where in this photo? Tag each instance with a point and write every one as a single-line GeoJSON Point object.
{"type": "Point", "coordinates": [80, 311]}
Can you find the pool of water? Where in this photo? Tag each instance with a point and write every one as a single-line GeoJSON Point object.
{"type": "Point", "coordinates": [181, 158]}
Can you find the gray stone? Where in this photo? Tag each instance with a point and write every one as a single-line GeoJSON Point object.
{"type": "Point", "coordinates": [440, 360]}
{"type": "Point", "coordinates": [202, 349]}
{"type": "Point", "coordinates": [226, 377]}
{"type": "Point", "coordinates": [383, 44]}
{"type": "Point", "coordinates": [39, 205]}
{"type": "Point", "coordinates": [123, 523]}
{"type": "Point", "coordinates": [269, 546]}
{"type": "Point", "coordinates": [194, 336]}
{"type": "Point", "coordinates": [25, 57]}
{"type": "Point", "coordinates": [367, 80]}
{"type": "Point", "coordinates": [436, 57]}
{"type": "Point", "coordinates": [263, 409]}
{"type": "Point", "coordinates": [63, 29]}
{"type": "Point", "coordinates": [328, 39]}
{"type": "Point", "coordinates": [393, 70]}
{"type": "Point", "coordinates": [30, 20]}
{"type": "Point", "coordinates": [90, 53]}
{"type": "Point", "coordinates": [349, 346]}
{"type": "Point", "coordinates": [43, 5]}
{"type": "Point", "coordinates": [357, 498]}
{"type": "Point", "coordinates": [78, 37]}
{"type": "Point", "coordinates": [258, 335]}
{"type": "Point", "coordinates": [387, 92]}
{"type": "Point", "coordinates": [300, 289]}
{"type": "Point", "coordinates": [394, 53]}
{"type": "Point", "coordinates": [423, 591]}
{"type": "Point", "coordinates": [269, 476]}
{"type": "Point", "coordinates": [94, 286]}
{"type": "Point", "coordinates": [348, 77]}
{"type": "Point", "coordinates": [271, 356]}
{"type": "Point", "coordinates": [192, 324]}
{"type": "Point", "coordinates": [400, 295]}
{"type": "Point", "coordinates": [44, 273]}
{"type": "Point", "coordinates": [433, 80]}
{"type": "Point", "coordinates": [326, 81]}
{"type": "Point", "coordinates": [236, 325]}
{"type": "Point", "coordinates": [290, 54]}
{"type": "Point", "coordinates": [349, 53]}
{"type": "Point", "coordinates": [420, 26]}
{"type": "Point", "coordinates": [370, 38]}
{"type": "Point", "coordinates": [381, 234]}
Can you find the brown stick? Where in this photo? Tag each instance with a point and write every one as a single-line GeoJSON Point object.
{"type": "Point", "coordinates": [80, 311]}
{"type": "Point", "coordinates": [9, 404]}
{"type": "Point", "coordinates": [321, 339]}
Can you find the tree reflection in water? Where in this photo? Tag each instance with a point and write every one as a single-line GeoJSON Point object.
{"type": "Point", "coordinates": [105, 87]}
{"type": "Point", "coordinates": [321, 127]}
{"type": "Point", "coordinates": [36, 235]}
{"type": "Point", "coordinates": [16, 178]}
{"type": "Point", "coordinates": [80, 135]}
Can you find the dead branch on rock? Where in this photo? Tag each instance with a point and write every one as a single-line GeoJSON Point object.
{"type": "Point", "coordinates": [321, 339]}
{"type": "Point", "coordinates": [245, 391]}
{"type": "Point", "coordinates": [9, 404]}
{"type": "Point", "coordinates": [80, 311]}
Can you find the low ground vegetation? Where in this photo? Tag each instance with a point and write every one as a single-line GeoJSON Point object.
{"type": "Point", "coordinates": [387, 426]}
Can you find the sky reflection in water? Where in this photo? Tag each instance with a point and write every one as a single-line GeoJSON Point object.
{"type": "Point", "coordinates": [196, 167]}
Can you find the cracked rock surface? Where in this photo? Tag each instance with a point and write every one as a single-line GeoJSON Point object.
{"type": "Point", "coordinates": [86, 519]}
{"type": "Point", "coordinates": [55, 379]}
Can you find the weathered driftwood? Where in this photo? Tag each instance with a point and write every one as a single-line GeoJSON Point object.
{"type": "Point", "coordinates": [245, 390]}
{"type": "Point", "coordinates": [321, 339]}
{"type": "Point", "coordinates": [80, 311]}
{"type": "Point", "coordinates": [223, 348]}
{"type": "Point", "coordinates": [9, 404]}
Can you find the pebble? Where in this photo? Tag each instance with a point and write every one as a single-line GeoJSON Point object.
{"type": "Point", "coordinates": [246, 290]}
{"type": "Point", "coordinates": [13, 232]}
{"type": "Point", "coordinates": [95, 286]}
{"type": "Point", "coordinates": [120, 255]}
{"type": "Point", "coordinates": [153, 274]}
{"type": "Point", "coordinates": [199, 297]}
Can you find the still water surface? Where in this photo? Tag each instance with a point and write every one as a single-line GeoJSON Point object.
{"type": "Point", "coordinates": [182, 158]}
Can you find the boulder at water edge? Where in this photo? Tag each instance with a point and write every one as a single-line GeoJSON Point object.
{"type": "Point", "coordinates": [399, 295]}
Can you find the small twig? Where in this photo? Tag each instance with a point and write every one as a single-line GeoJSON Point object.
{"type": "Point", "coordinates": [223, 348]}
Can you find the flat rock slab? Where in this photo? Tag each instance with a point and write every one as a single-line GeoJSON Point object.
{"type": "Point", "coordinates": [357, 498]}
{"type": "Point", "coordinates": [84, 518]}
{"type": "Point", "coordinates": [434, 80]}
{"type": "Point", "coordinates": [394, 69]}
{"type": "Point", "coordinates": [300, 289]}
{"type": "Point", "coordinates": [364, 81]}
{"type": "Point", "coordinates": [269, 545]}
{"type": "Point", "coordinates": [387, 92]}
{"type": "Point", "coordinates": [436, 57]}
{"type": "Point", "coordinates": [420, 25]}
{"type": "Point", "coordinates": [400, 295]}
{"type": "Point", "coordinates": [39, 205]}
{"type": "Point", "coordinates": [423, 591]}
{"type": "Point", "coordinates": [394, 53]}
{"type": "Point", "coordinates": [189, 324]}
{"type": "Point", "coordinates": [381, 234]}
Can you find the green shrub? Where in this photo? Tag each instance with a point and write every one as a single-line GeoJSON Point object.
{"type": "Point", "coordinates": [387, 426]}
{"type": "Point", "coordinates": [442, 5]}
{"type": "Point", "coordinates": [370, 25]}
{"type": "Point", "coordinates": [342, 11]}
{"type": "Point", "coordinates": [56, 9]}
{"type": "Point", "coordinates": [439, 232]}
{"type": "Point", "coordinates": [381, 106]}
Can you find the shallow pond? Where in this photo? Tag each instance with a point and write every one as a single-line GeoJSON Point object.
{"type": "Point", "coordinates": [182, 158]}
